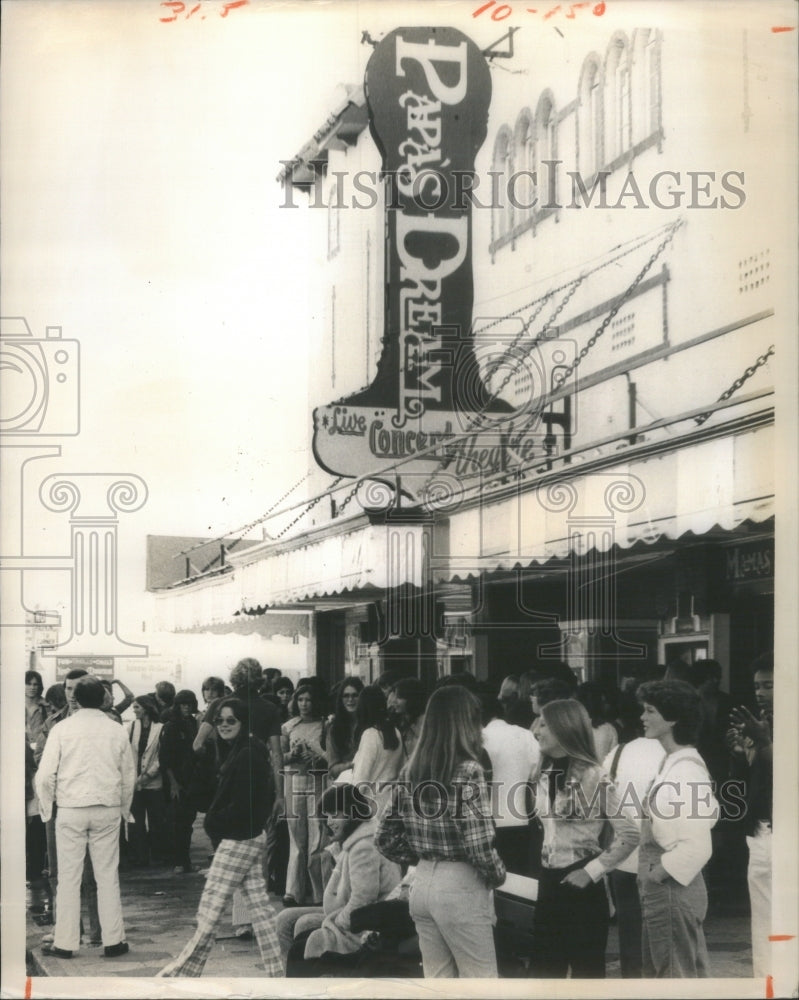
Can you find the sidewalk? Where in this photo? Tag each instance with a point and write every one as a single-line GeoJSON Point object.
{"type": "Point", "coordinates": [160, 907]}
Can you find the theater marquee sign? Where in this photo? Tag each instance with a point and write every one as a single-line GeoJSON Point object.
{"type": "Point", "coordinates": [428, 92]}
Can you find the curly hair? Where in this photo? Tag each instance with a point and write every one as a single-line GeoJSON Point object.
{"type": "Point", "coordinates": [678, 702]}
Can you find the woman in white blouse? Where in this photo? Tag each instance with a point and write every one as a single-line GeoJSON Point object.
{"type": "Point", "coordinates": [379, 756]}
{"type": "Point", "coordinates": [679, 813]}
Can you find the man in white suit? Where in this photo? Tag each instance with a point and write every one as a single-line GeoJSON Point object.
{"type": "Point", "coordinates": [87, 768]}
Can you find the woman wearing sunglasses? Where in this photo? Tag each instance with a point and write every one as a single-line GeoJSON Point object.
{"type": "Point", "coordinates": [235, 823]}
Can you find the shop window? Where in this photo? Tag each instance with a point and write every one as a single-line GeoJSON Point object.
{"type": "Point", "coordinates": [590, 118]}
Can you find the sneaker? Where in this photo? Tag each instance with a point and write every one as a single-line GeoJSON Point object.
{"type": "Point", "coordinates": [290, 901]}
{"type": "Point", "coordinates": [50, 949]}
{"type": "Point", "coordinates": [114, 950]}
{"type": "Point", "coordinates": [184, 870]}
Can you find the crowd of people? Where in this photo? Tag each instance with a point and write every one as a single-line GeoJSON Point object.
{"type": "Point", "coordinates": [383, 813]}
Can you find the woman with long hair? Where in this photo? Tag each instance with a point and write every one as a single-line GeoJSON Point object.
{"type": "Point", "coordinates": [305, 763]}
{"type": "Point", "coordinates": [148, 840]}
{"type": "Point", "coordinates": [406, 705]}
{"type": "Point", "coordinates": [679, 813]}
{"type": "Point", "coordinates": [439, 819]}
{"type": "Point", "coordinates": [577, 805]}
{"type": "Point", "coordinates": [600, 705]}
{"type": "Point", "coordinates": [341, 727]}
{"type": "Point", "coordinates": [283, 690]}
{"type": "Point", "coordinates": [235, 822]}
{"type": "Point", "coordinates": [379, 756]}
{"type": "Point", "coordinates": [35, 707]}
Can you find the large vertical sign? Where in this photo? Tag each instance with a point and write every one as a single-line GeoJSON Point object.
{"type": "Point", "coordinates": [428, 92]}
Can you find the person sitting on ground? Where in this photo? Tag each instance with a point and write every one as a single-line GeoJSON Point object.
{"type": "Point", "coordinates": [314, 940]}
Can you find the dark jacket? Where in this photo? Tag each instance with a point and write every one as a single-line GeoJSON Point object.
{"type": "Point", "coordinates": [176, 752]}
{"type": "Point", "coordinates": [244, 794]}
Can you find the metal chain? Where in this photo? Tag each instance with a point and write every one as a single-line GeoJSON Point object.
{"type": "Point", "coordinates": [307, 510]}
{"type": "Point", "coordinates": [562, 375]}
{"type": "Point", "coordinates": [528, 350]}
{"type": "Point", "coordinates": [736, 385]}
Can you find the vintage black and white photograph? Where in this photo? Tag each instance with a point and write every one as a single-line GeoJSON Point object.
{"type": "Point", "coordinates": [399, 470]}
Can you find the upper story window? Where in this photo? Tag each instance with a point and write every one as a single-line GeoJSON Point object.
{"type": "Point", "coordinates": [618, 134]}
{"type": "Point", "coordinates": [524, 187]}
{"type": "Point", "coordinates": [646, 104]}
{"type": "Point", "coordinates": [590, 118]}
{"type": "Point", "coordinates": [545, 148]}
{"type": "Point", "coordinates": [502, 167]}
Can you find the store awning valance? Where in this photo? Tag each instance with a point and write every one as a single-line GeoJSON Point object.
{"type": "Point", "coordinates": [714, 484]}
{"type": "Point", "coordinates": [366, 558]}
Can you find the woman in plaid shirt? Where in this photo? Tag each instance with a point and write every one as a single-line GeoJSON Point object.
{"type": "Point", "coordinates": [439, 818]}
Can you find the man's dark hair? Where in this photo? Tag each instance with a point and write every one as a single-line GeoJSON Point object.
{"type": "Point", "coordinates": [89, 692]}
{"type": "Point", "coordinates": [762, 664]}
{"type": "Point", "coordinates": [706, 670]}
{"type": "Point", "coordinates": [678, 702]}
{"type": "Point", "coordinates": [551, 689]}
{"type": "Point", "coordinates": [75, 673]}
{"type": "Point", "coordinates": [247, 673]}
{"type": "Point", "coordinates": [165, 690]}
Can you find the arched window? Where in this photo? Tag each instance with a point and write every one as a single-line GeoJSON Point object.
{"type": "Point", "coordinates": [590, 118]}
{"type": "Point", "coordinates": [502, 167]}
{"type": "Point", "coordinates": [546, 149]}
{"type": "Point", "coordinates": [523, 188]}
{"type": "Point", "coordinates": [618, 138]}
{"type": "Point", "coordinates": [646, 104]}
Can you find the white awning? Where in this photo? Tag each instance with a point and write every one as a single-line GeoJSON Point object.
{"type": "Point", "coordinates": [342, 562]}
{"type": "Point", "coordinates": [718, 483]}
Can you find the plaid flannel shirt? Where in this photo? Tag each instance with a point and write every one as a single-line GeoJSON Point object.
{"type": "Point", "coordinates": [463, 831]}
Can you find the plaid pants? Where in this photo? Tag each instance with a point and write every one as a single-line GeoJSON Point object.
{"type": "Point", "coordinates": [237, 864]}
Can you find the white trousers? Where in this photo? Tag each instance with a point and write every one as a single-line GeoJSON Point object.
{"type": "Point", "coordinates": [453, 911]}
{"type": "Point", "coordinates": [98, 828]}
{"type": "Point", "coordinates": [759, 879]}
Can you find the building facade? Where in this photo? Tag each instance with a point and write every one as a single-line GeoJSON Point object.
{"type": "Point", "coordinates": [617, 509]}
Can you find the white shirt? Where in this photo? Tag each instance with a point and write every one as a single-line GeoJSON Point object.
{"type": "Point", "coordinates": [514, 754]}
{"type": "Point", "coordinates": [683, 811]}
{"type": "Point", "coordinates": [87, 761]}
{"type": "Point", "coordinates": [638, 763]}
{"type": "Point", "coordinates": [373, 763]}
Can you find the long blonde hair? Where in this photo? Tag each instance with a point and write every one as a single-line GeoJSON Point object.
{"type": "Point", "coordinates": [451, 733]}
{"type": "Point", "coordinates": [571, 726]}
